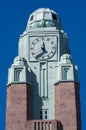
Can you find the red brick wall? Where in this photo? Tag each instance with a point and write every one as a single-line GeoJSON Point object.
{"type": "Point", "coordinates": [78, 106]}
{"type": "Point", "coordinates": [17, 106]}
{"type": "Point", "coordinates": [66, 108]}
{"type": "Point", "coordinates": [29, 102]}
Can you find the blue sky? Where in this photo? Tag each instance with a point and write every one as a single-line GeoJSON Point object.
{"type": "Point", "coordinates": [13, 20]}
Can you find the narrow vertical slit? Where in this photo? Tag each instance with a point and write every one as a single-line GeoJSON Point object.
{"type": "Point", "coordinates": [43, 84]}
{"type": "Point", "coordinates": [34, 125]}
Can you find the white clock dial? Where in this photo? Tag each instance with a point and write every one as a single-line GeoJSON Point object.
{"type": "Point", "coordinates": [43, 48]}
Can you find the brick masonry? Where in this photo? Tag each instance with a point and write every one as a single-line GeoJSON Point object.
{"type": "Point", "coordinates": [17, 112]}
{"type": "Point", "coordinates": [67, 108]}
{"type": "Point", "coordinates": [67, 105]}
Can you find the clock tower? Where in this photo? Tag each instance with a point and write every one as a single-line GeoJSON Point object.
{"type": "Point", "coordinates": [43, 86]}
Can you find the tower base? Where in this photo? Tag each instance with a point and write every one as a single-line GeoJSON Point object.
{"type": "Point", "coordinates": [19, 106]}
{"type": "Point", "coordinates": [67, 105]}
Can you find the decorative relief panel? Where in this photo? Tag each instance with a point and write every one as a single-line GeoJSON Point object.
{"type": "Point", "coordinates": [43, 80]}
{"type": "Point", "coordinates": [65, 73]}
{"type": "Point", "coordinates": [17, 73]}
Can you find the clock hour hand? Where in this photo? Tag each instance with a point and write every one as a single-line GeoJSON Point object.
{"type": "Point", "coordinates": [41, 54]}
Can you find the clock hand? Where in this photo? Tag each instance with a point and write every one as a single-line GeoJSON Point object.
{"type": "Point", "coordinates": [43, 48]}
{"type": "Point", "coordinates": [42, 45]}
{"type": "Point", "coordinates": [41, 54]}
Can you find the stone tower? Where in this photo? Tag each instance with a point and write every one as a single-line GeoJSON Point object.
{"type": "Point", "coordinates": [43, 87]}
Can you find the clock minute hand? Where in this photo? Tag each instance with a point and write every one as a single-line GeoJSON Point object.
{"type": "Point", "coordinates": [42, 45]}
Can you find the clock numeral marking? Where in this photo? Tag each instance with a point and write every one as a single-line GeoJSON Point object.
{"type": "Point", "coordinates": [33, 43]}
{"type": "Point", "coordinates": [31, 48]}
{"type": "Point", "coordinates": [42, 38]}
{"type": "Point", "coordinates": [33, 53]}
{"type": "Point", "coordinates": [53, 47]}
{"type": "Point", "coordinates": [48, 39]}
{"type": "Point", "coordinates": [52, 52]}
{"type": "Point", "coordinates": [42, 57]}
{"type": "Point", "coordinates": [48, 56]}
{"type": "Point", "coordinates": [36, 40]}
{"type": "Point", "coordinates": [52, 42]}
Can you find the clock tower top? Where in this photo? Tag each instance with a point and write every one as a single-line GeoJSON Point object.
{"type": "Point", "coordinates": [44, 17]}
{"type": "Point", "coordinates": [43, 88]}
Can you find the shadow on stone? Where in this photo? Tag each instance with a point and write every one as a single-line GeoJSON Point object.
{"type": "Point", "coordinates": [35, 102]}
{"type": "Point", "coordinates": [59, 125]}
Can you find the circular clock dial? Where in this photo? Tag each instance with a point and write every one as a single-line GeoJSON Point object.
{"type": "Point", "coordinates": [43, 48]}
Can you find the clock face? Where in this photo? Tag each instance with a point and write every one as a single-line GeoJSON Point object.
{"type": "Point", "coordinates": [43, 48]}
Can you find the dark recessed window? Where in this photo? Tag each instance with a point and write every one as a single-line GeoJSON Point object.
{"type": "Point", "coordinates": [54, 16]}
{"type": "Point", "coordinates": [65, 73]}
{"type": "Point", "coordinates": [40, 116]}
{"type": "Point", "coordinates": [45, 117]}
{"type": "Point", "coordinates": [44, 114]}
{"type": "Point", "coordinates": [31, 18]}
{"type": "Point", "coordinates": [40, 112]}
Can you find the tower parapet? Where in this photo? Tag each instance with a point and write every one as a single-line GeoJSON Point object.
{"type": "Point", "coordinates": [67, 71]}
{"type": "Point", "coordinates": [19, 71]}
